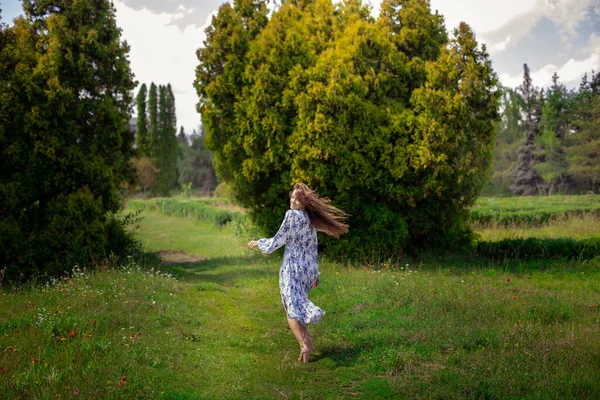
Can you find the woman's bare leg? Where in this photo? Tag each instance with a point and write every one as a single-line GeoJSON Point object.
{"type": "Point", "coordinates": [296, 328]}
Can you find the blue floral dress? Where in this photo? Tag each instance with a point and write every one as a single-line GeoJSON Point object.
{"type": "Point", "coordinates": [300, 267]}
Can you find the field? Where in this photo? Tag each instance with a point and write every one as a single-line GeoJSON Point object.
{"type": "Point", "coordinates": [211, 326]}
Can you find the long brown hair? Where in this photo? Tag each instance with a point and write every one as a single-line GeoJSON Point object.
{"type": "Point", "coordinates": [324, 217]}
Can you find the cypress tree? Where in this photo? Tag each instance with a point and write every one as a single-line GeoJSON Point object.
{"type": "Point", "coordinates": [142, 138]}
{"type": "Point", "coordinates": [153, 130]}
{"type": "Point", "coordinates": [166, 149]}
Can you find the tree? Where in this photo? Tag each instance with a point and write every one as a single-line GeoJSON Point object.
{"type": "Point", "coordinates": [142, 138]}
{"type": "Point", "coordinates": [146, 173]}
{"type": "Point", "coordinates": [525, 179]}
{"type": "Point", "coordinates": [166, 149]}
{"type": "Point", "coordinates": [583, 146]}
{"type": "Point", "coordinates": [196, 163]}
{"type": "Point", "coordinates": [387, 118]}
{"type": "Point", "coordinates": [509, 138]}
{"type": "Point", "coordinates": [181, 137]}
{"type": "Point", "coordinates": [64, 105]}
{"type": "Point", "coordinates": [153, 129]}
{"type": "Point", "coordinates": [554, 126]}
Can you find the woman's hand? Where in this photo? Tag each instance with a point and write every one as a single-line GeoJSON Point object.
{"type": "Point", "coordinates": [252, 244]}
{"type": "Point", "coordinates": [316, 284]}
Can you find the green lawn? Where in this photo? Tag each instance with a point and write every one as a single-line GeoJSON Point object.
{"type": "Point", "coordinates": [426, 328]}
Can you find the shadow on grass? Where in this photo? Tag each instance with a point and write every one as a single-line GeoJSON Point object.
{"type": "Point", "coordinates": [223, 270]}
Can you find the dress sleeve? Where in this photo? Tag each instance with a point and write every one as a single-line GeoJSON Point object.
{"type": "Point", "coordinates": [268, 246]}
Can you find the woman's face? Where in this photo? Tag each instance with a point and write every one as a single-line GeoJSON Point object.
{"type": "Point", "coordinates": [294, 202]}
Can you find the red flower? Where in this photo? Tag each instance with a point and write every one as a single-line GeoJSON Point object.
{"type": "Point", "coordinates": [72, 333]}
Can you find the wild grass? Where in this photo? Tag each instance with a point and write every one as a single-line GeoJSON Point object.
{"type": "Point", "coordinates": [576, 227]}
{"type": "Point", "coordinates": [433, 328]}
{"type": "Point", "coordinates": [533, 210]}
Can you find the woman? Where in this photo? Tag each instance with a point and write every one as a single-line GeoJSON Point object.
{"type": "Point", "coordinates": [299, 271]}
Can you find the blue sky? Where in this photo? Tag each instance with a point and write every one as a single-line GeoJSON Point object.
{"type": "Point", "coordinates": [549, 35]}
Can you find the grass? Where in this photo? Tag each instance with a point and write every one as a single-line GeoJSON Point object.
{"type": "Point", "coordinates": [426, 328]}
{"type": "Point", "coordinates": [577, 227]}
{"type": "Point", "coordinates": [533, 210]}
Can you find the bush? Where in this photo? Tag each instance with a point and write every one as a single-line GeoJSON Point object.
{"type": "Point", "coordinates": [222, 190]}
{"type": "Point", "coordinates": [78, 232]}
{"type": "Point", "coordinates": [388, 118]}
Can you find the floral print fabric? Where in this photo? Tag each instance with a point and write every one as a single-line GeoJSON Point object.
{"type": "Point", "coordinates": [300, 267]}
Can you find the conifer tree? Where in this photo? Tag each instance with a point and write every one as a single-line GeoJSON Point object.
{"type": "Point", "coordinates": [64, 147]}
{"type": "Point", "coordinates": [153, 129]}
{"type": "Point", "coordinates": [525, 179]}
{"type": "Point", "coordinates": [583, 146]}
{"type": "Point", "coordinates": [389, 118]}
{"type": "Point", "coordinates": [142, 137]}
{"type": "Point", "coordinates": [554, 127]}
{"type": "Point", "coordinates": [166, 149]}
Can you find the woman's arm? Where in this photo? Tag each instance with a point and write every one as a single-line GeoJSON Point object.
{"type": "Point", "coordinates": [268, 246]}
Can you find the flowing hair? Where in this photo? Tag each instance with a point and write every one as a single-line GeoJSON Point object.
{"type": "Point", "coordinates": [324, 217]}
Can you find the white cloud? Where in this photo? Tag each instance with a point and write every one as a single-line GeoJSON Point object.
{"type": "Point", "coordinates": [482, 16]}
{"type": "Point", "coordinates": [567, 14]}
{"type": "Point", "coordinates": [571, 72]}
{"type": "Point", "coordinates": [498, 47]}
{"type": "Point", "coordinates": [162, 53]}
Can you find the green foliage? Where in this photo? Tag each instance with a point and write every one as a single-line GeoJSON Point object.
{"type": "Point", "coordinates": [64, 146]}
{"type": "Point", "coordinates": [388, 118]}
{"type": "Point", "coordinates": [222, 191]}
{"type": "Point", "coordinates": [554, 128]}
{"type": "Point", "coordinates": [186, 190]}
{"type": "Point", "coordinates": [540, 146]}
{"type": "Point", "coordinates": [195, 162]}
{"type": "Point", "coordinates": [509, 138]}
{"type": "Point", "coordinates": [583, 148]}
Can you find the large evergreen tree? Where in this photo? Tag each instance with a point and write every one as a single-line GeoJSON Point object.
{"type": "Point", "coordinates": [64, 105]}
{"type": "Point", "coordinates": [388, 118]}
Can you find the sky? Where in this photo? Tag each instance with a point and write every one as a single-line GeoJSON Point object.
{"type": "Point", "coordinates": [560, 36]}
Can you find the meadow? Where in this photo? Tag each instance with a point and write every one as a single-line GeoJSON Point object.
{"type": "Point", "coordinates": [206, 322]}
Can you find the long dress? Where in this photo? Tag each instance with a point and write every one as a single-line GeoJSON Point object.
{"type": "Point", "coordinates": [300, 266]}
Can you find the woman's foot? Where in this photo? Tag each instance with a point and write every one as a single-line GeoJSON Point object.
{"type": "Point", "coordinates": [304, 352]}
{"type": "Point", "coordinates": [306, 348]}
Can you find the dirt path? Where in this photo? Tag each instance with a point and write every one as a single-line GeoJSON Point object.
{"type": "Point", "coordinates": [170, 257]}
